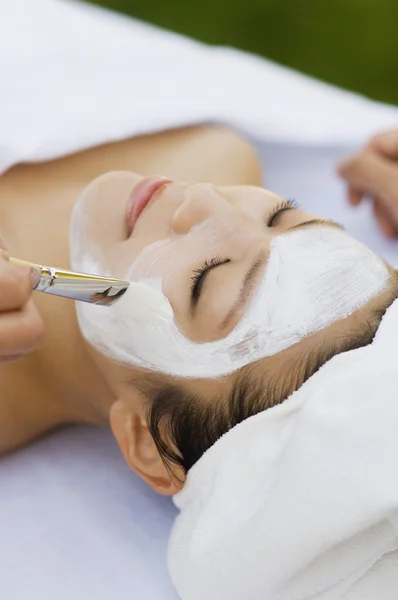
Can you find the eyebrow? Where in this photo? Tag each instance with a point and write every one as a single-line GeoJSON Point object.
{"type": "Point", "coordinates": [259, 261]}
{"type": "Point", "coordinates": [325, 222]}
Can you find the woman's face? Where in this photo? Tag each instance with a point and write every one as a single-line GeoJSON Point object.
{"type": "Point", "coordinates": [207, 279]}
{"type": "Point", "coordinates": [210, 250]}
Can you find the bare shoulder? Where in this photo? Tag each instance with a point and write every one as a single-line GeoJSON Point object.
{"type": "Point", "coordinates": [212, 153]}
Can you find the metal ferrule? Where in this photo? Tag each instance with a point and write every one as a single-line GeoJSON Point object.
{"type": "Point", "coordinates": [81, 286]}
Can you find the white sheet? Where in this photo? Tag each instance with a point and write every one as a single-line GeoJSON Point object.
{"type": "Point", "coordinates": [74, 522]}
{"type": "Point", "coordinates": [73, 76]}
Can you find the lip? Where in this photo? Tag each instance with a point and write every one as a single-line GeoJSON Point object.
{"type": "Point", "coordinates": [140, 197]}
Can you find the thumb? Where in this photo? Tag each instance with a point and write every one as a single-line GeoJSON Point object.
{"type": "Point", "coordinates": [375, 175]}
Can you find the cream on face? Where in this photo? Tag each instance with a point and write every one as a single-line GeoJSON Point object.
{"type": "Point", "coordinates": [314, 276]}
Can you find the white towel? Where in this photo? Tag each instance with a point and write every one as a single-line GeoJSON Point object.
{"type": "Point", "coordinates": [301, 501]}
{"type": "Point", "coordinates": [73, 76]}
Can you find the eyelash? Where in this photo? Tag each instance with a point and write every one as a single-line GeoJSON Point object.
{"type": "Point", "coordinates": [199, 275]}
{"type": "Point", "coordinates": [279, 209]}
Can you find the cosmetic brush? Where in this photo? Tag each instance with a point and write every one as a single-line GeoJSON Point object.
{"type": "Point", "coordinates": [83, 287]}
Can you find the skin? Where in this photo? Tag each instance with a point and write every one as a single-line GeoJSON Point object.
{"type": "Point", "coordinates": [373, 172]}
{"type": "Point", "coordinates": [21, 327]}
{"type": "Point", "coordinates": [67, 381]}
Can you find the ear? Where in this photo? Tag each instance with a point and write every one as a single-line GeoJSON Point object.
{"type": "Point", "coordinates": [130, 429]}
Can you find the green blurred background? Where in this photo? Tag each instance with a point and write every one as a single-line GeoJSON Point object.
{"type": "Point", "coordinates": [351, 43]}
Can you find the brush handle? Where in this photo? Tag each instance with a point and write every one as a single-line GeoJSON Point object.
{"type": "Point", "coordinates": [16, 262]}
{"type": "Point", "coordinates": [23, 263]}
{"type": "Point", "coordinates": [84, 287]}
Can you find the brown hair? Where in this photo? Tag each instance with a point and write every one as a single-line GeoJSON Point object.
{"type": "Point", "coordinates": [183, 425]}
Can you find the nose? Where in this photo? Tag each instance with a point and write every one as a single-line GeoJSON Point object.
{"type": "Point", "coordinates": [202, 201]}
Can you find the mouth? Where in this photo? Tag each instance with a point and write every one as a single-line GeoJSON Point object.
{"type": "Point", "coordinates": [140, 197]}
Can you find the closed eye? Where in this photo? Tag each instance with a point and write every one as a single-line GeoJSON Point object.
{"type": "Point", "coordinates": [279, 210]}
{"type": "Point", "coordinates": [199, 276]}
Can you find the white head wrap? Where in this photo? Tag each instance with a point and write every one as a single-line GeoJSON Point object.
{"type": "Point", "coordinates": [300, 501]}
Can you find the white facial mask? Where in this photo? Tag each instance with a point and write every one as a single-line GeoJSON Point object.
{"type": "Point", "coordinates": [314, 277]}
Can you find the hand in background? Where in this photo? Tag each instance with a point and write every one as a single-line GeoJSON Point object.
{"type": "Point", "coordinates": [21, 328]}
{"type": "Point", "coordinates": [374, 172]}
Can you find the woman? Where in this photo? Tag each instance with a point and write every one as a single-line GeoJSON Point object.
{"type": "Point", "coordinates": [163, 423]}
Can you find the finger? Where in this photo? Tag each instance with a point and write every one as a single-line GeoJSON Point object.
{"type": "Point", "coordinates": [20, 331]}
{"type": "Point", "coordinates": [372, 174]}
{"type": "Point", "coordinates": [385, 143]}
{"type": "Point", "coordinates": [384, 220]}
{"type": "Point", "coordinates": [15, 286]}
{"type": "Point", "coordinates": [355, 195]}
